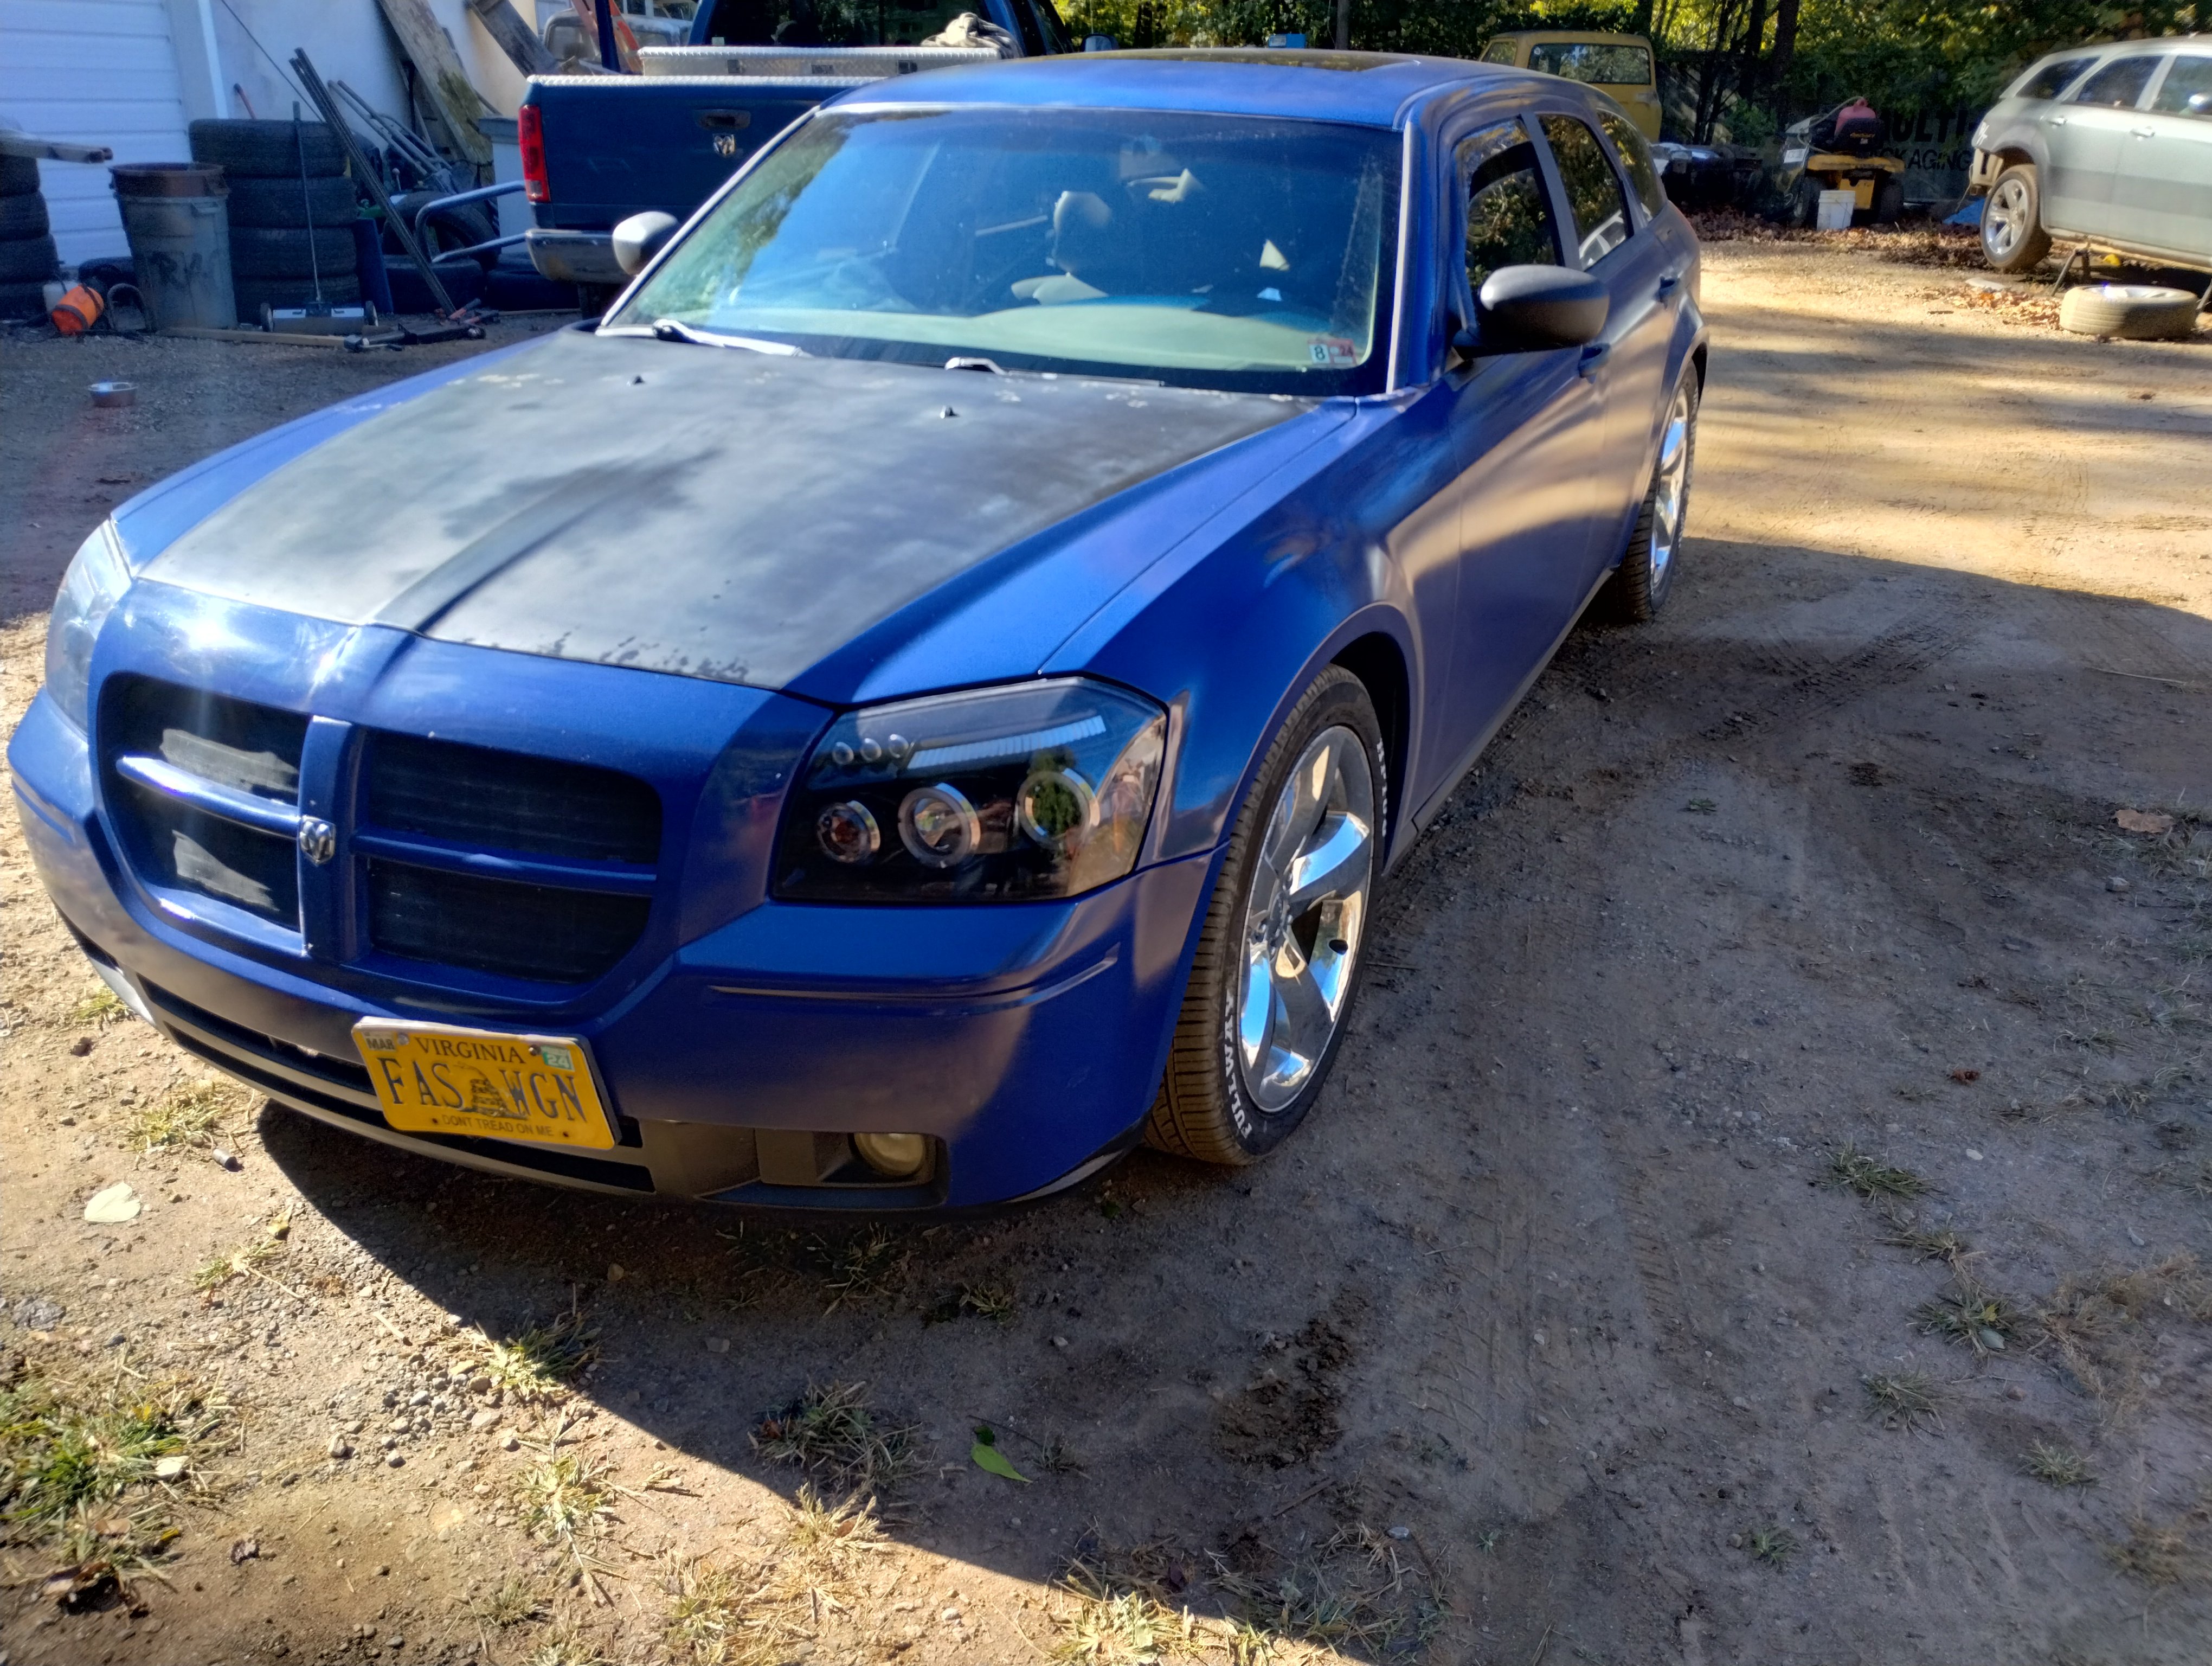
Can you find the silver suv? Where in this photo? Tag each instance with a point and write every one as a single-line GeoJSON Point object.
{"type": "Point", "coordinates": [2110, 145]}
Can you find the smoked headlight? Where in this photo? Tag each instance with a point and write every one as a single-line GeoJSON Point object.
{"type": "Point", "coordinates": [95, 582]}
{"type": "Point", "coordinates": [1024, 791]}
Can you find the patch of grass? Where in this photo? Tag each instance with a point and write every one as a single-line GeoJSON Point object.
{"type": "Point", "coordinates": [862, 1266]}
{"type": "Point", "coordinates": [1355, 1593]}
{"type": "Point", "coordinates": [248, 1259]}
{"type": "Point", "coordinates": [995, 1302]}
{"type": "Point", "coordinates": [2058, 1466]}
{"type": "Point", "coordinates": [514, 1601]}
{"type": "Point", "coordinates": [1983, 1322]}
{"type": "Point", "coordinates": [831, 1429]}
{"type": "Point", "coordinates": [567, 1500]}
{"type": "Point", "coordinates": [1701, 806]}
{"type": "Point", "coordinates": [536, 1365]}
{"type": "Point", "coordinates": [1056, 1458]}
{"type": "Point", "coordinates": [67, 1449]}
{"type": "Point", "coordinates": [2162, 1554]}
{"type": "Point", "coordinates": [2104, 1323]}
{"type": "Point", "coordinates": [1855, 1170]}
{"type": "Point", "coordinates": [187, 1118]}
{"type": "Point", "coordinates": [1112, 1628]}
{"type": "Point", "coordinates": [567, 1647]}
{"type": "Point", "coordinates": [1940, 1244]}
{"type": "Point", "coordinates": [1903, 1400]}
{"type": "Point", "coordinates": [773, 1610]}
{"type": "Point", "coordinates": [1771, 1544]}
{"type": "Point", "coordinates": [100, 1008]}
{"type": "Point", "coordinates": [2198, 1181]}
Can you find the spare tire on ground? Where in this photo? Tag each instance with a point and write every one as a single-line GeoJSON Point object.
{"type": "Point", "coordinates": [2130, 311]}
{"type": "Point", "coordinates": [464, 280]}
{"type": "Point", "coordinates": [22, 301]}
{"type": "Point", "coordinates": [269, 149]}
{"type": "Point", "coordinates": [253, 294]}
{"type": "Point", "coordinates": [19, 176]}
{"type": "Point", "coordinates": [23, 215]}
{"type": "Point", "coordinates": [291, 203]}
{"type": "Point", "coordinates": [270, 252]}
{"type": "Point", "coordinates": [27, 259]}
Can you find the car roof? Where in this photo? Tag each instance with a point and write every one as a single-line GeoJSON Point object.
{"type": "Point", "coordinates": [1573, 37]}
{"type": "Point", "coordinates": [1374, 90]}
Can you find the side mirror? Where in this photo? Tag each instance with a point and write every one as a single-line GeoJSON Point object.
{"type": "Point", "coordinates": [1526, 309]}
{"type": "Point", "coordinates": [2200, 104]}
{"type": "Point", "coordinates": [640, 238]}
{"type": "Point", "coordinates": [1101, 43]}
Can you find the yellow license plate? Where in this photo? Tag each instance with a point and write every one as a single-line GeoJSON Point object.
{"type": "Point", "coordinates": [439, 1078]}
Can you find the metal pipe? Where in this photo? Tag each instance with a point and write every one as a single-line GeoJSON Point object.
{"type": "Point", "coordinates": [481, 194]}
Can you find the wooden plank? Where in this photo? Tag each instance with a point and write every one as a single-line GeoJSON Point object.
{"type": "Point", "coordinates": [52, 150]}
{"type": "Point", "coordinates": [441, 80]}
{"type": "Point", "coordinates": [512, 36]}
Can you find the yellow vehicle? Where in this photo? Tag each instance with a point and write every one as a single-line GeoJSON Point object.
{"type": "Point", "coordinates": [1619, 65]}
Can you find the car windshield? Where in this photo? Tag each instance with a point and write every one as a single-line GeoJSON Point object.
{"type": "Point", "coordinates": [1201, 251]}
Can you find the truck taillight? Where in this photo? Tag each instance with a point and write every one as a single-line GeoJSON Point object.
{"type": "Point", "coordinates": [530, 134]}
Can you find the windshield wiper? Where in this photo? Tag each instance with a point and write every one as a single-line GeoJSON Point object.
{"type": "Point", "coordinates": [669, 329]}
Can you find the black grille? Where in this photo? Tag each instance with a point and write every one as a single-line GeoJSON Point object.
{"type": "Point", "coordinates": [540, 932]}
{"type": "Point", "coordinates": [472, 795]}
{"type": "Point", "coordinates": [232, 743]}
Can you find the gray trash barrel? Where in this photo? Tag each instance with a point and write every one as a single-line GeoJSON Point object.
{"type": "Point", "coordinates": [177, 216]}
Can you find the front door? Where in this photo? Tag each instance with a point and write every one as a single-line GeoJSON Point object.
{"type": "Point", "coordinates": [1527, 430]}
{"type": "Point", "coordinates": [2162, 198]}
{"type": "Point", "coordinates": [2087, 134]}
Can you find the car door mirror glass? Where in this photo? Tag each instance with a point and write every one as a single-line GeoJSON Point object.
{"type": "Point", "coordinates": [1528, 309]}
{"type": "Point", "coordinates": [640, 238]}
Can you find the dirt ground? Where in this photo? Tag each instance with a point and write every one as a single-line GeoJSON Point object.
{"type": "Point", "coordinates": [1760, 1215]}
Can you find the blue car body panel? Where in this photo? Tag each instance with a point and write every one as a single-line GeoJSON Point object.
{"type": "Point", "coordinates": [1440, 537]}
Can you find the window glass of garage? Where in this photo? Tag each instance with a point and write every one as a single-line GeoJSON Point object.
{"type": "Point", "coordinates": [1636, 156]}
{"type": "Point", "coordinates": [2187, 89]}
{"type": "Point", "coordinates": [1593, 194]}
{"type": "Point", "coordinates": [1595, 61]}
{"type": "Point", "coordinates": [2119, 85]}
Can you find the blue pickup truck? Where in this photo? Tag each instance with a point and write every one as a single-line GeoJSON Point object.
{"type": "Point", "coordinates": [597, 149]}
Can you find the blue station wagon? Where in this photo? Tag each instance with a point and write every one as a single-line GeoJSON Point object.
{"type": "Point", "coordinates": [921, 696]}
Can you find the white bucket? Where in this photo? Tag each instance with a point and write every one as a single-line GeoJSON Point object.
{"type": "Point", "coordinates": [1835, 212]}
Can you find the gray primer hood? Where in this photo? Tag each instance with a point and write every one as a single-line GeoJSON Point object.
{"type": "Point", "coordinates": [702, 510]}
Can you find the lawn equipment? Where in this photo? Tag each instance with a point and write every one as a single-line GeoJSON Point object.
{"type": "Point", "coordinates": [1846, 150]}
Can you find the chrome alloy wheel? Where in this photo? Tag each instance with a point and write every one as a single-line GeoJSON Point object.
{"type": "Point", "coordinates": [1304, 918]}
{"type": "Point", "coordinates": [2008, 219]}
{"type": "Point", "coordinates": [1670, 498]}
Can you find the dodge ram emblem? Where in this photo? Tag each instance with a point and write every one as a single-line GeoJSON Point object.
{"type": "Point", "coordinates": [319, 840]}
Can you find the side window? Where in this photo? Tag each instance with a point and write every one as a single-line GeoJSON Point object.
{"type": "Point", "coordinates": [2119, 83]}
{"type": "Point", "coordinates": [1635, 152]}
{"type": "Point", "coordinates": [2051, 79]}
{"type": "Point", "coordinates": [1501, 51]}
{"type": "Point", "coordinates": [1594, 194]}
{"type": "Point", "coordinates": [1509, 213]}
{"type": "Point", "coordinates": [2188, 90]}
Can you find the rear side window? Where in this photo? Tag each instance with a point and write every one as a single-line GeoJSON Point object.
{"type": "Point", "coordinates": [2051, 79]}
{"type": "Point", "coordinates": [1594, 194]}
{"type": "Point", "coordinates": [2190, 78]}
{"type": "Point", "coordinates": [1509, 212]}
{"type": "Point", "coordinates": [2119, 84]}
{"type": "Point", "coordinates": [1501, 51]}
{"type": "Point", "coordinates": [1635, 154]}
{"type": "Point", "coordinates": [1594, 62]}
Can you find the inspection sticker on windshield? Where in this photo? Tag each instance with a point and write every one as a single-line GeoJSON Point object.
{"type": "Point", "coordinates": [438, 1079]}
{"type": "Point", "coordinates": [1332, 352]}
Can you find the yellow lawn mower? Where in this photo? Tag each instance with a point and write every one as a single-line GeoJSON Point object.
{"type": "Point", "coordinates": [1846, 150]}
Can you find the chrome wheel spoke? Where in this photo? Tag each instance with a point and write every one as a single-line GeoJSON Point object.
{"type": "Point", "coordinates": [1305, 911]}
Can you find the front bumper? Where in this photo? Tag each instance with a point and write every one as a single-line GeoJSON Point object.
{"type": "Point", "coordinates": [1027, 1040]}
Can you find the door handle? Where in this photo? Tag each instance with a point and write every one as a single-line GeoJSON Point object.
{"type": "Point", "coordinates": [2144, 132]}
{"type": "Point", "coordinates": [1669, 284]}
{"type": "Point", "coordinates": [1593, 355]}
{"type": "Point", "coordinates": [2059, 121]}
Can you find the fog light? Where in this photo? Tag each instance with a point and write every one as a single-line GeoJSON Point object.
{"type": "Point", "coordinates": [894, 1156]}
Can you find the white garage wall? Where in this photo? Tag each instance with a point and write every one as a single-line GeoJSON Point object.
{"type": "Point", "coordinates": [130, 74]}
{"type": "Point", "coordinates": [98, 72]}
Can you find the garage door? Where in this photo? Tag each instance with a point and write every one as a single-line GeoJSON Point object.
{"type": "Point", "coordinates": [98, 72]}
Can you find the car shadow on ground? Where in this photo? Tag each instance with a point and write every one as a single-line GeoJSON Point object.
{"type": "Point", "coordinates": [1556, 1282]}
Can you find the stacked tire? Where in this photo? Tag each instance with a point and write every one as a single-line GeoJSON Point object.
{"type": "Point", "coordinates": [291, 212]}
{"type": "Point", "coordinates": [26, 242]}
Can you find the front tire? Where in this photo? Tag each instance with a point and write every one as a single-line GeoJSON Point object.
{"type": "Point", "coordinates": [2013, 237]}
{"type": "Point", "coordinates": [1280, 957]}
{"type": "Point", "coordinates": [1646, 577]}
